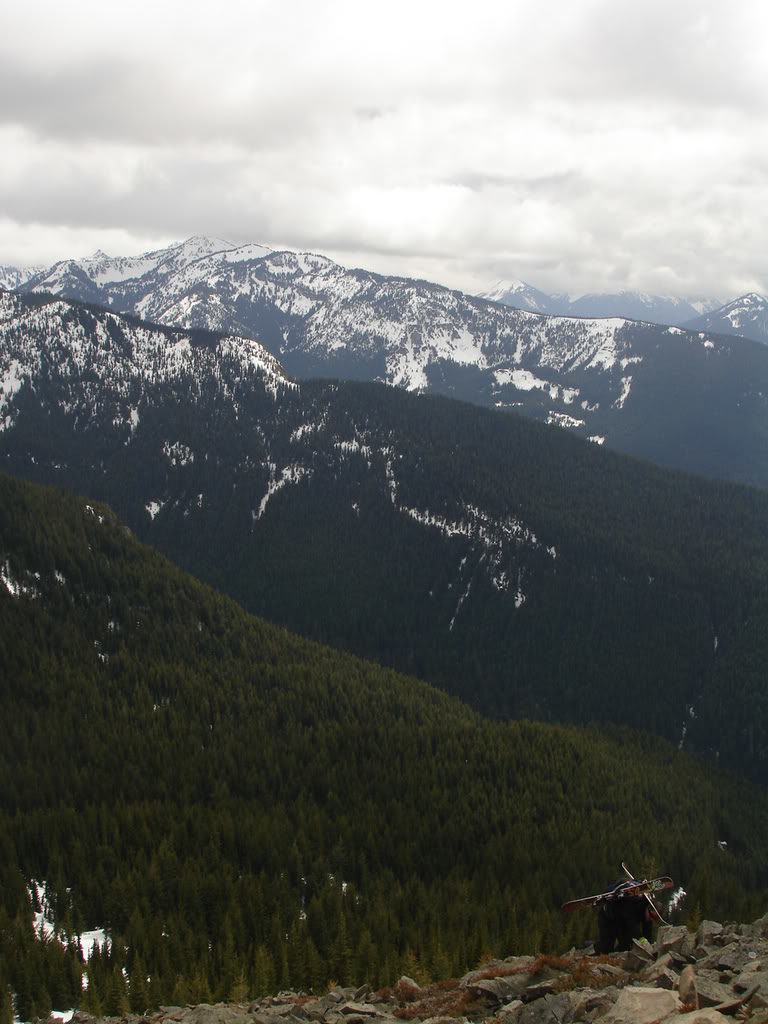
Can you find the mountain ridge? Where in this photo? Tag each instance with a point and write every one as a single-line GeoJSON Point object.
{"type": "Point", "coordinates": [509, 563]}
{"type": "Point", "coordinates": [746, 316]}
{"type": "Point", "coordinates": [693, 400]}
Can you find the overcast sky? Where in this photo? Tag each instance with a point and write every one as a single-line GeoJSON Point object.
{"type": "Point", "coordinates": [579, 145]}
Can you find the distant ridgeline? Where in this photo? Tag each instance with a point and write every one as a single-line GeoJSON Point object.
{"type": "Point", "coordinates": [691, 399]}
{"type": "Point", "coordinates": [243, 810]}
{"type": "Point", "coordinates": [531, 574]}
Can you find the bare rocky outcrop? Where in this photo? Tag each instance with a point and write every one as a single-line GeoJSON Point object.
{"type": "Point", "coordinates": [718, 973]}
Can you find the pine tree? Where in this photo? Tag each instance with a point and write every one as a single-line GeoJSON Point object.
{"type": "Point", "coordinates": [6, 1005]}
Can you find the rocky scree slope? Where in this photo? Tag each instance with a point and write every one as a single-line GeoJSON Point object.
{"type": "Point", "coordinates": [689, 399]}
{"type": "Point", "coordinates": [712, 976]}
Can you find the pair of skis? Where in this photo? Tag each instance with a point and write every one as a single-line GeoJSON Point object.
{"type": "Point", "coordinates": [626, 890]}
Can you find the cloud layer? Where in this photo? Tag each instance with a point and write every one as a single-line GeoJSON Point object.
{"type": "Point", "coordinates": [582, 145]}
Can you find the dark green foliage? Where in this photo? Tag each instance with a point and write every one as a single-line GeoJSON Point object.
{"type": "Point", "coordinates": [246, 810]}
{"type": "Point", "coordinates": [645, 592]}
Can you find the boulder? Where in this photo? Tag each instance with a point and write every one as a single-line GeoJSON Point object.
{"type": "Point", "coordinates": [501, 990]}
{"type": "Point", "coordinates": [553, 1009]}
{"type": "Point", "coordinates": [748, 978]}
{"type": "Point", "coordinates": [733, 957]}
{"type": "Point", "coordinates": [513, 965]}
{"type": "Point", "coordinates": [710, 991]}
{"type": "Point", "coordinates": [706, 1016]}
{"type": "Point", "coordinates": [667, 979]}
{"type": "Point", "coordinates": [674, 939]}
{"type": "Point", "coordinates": [508, 1013]}
{"type": "Point", "coordinates": [640, 1005]}
{"type": "Point", "coordinates": [687, 987]}
{"type": "Point", "coordinates": [654, 969]}
{"type": "Point", "coordinates": [708, 933]}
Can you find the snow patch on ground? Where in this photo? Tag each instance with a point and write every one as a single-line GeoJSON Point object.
{"type": "Point", "coordinates": [519, 595]}
{"type": "Point", "coordinates": [462, 599]}
{"type": "Point", "coordinates": [10, 385]}
{"type": "Point", "coordinates": [178, 454]}
{"type": "Point", "coordinates": [523, 380]}
{"type": "Point", "coordinates": [15, 587]}
{"type": "Point", "coordinates": [289, 475]}
{"type": "Point", "coordinates": [562, 419]}
{"type": "Point", "coordinates": [626, 386]}
{"type": "Point", "coordinates": [154, 507]}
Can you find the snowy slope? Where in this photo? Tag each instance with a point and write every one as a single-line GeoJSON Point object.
{"type": "Point", "coordinates": [524, 296]}
{"type": "Point", "coordinates": [109, 361]}
{"type": "Point", "coordinates": [746, 316]}
{"type": "Point", "coordinates": [17, 277]}
{"type": "Point", "coordinates": [631, 384]}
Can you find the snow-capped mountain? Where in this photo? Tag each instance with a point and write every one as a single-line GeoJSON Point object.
{"type": "Point", "coordinates": [746, 316]}
{"type": "Point", "coordinates": [16, 277]}
{"type": "Point", "coordinates": [525, 296]}
{"type": "Point", "coordinates": [631, 384]}
{"type": "Point", "coordinates": [45, 340]}
{"type": "Point", "coordinates": [657, 309]}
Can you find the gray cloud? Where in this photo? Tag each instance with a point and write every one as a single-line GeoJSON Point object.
{"type": "Point", "coordinates": [579, 146]}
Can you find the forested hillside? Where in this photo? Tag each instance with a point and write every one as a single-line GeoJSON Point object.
{"type": "Point", "coordinates": [245, 810]}
{"type": "Point", "coordinates": [530, 573]}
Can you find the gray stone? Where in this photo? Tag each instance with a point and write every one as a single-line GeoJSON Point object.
{"type": "Point", "coordinates": [733, 957]}
{"type": "Point", "coordinates": [513, 965]}
{"type": "Point", "coordinates": [540, 989]}
{"type": "Point", "coordinates": [609, 970]}
{"type": "Point", "coordinates": [639, 1005]}
{"type": "Point", "coordinates": [552, 1009]}
{"type": "Point", "coordinates": [347, 993]}
{"type": "Point", "coordinates": [670, 938]}
{"type": "Point", "coordinates": [667, 979]}
{"type": "Point", "coordinates": [509, 1011]}
{"type": "Point", "coordinates": [706, 1016]}
{"type": "Point", "coordinates": [501, 990]}
{"type": "Point", "coordinates": [708, 933]}
{"type": "Point", "coordinates": [748, 978]}
{"type": "Point", "coordinates": [651, 970]}
{"type": "Point", "coordinates": [221, 1013]}
{"type": "Point", "coordinates": [711, 992]}
{"type": "Point", "coordinates": [639, 955]}
{"type": "Point", "coordinates": [687, 987]}
{"type": "Point", "coordinates": [363, 1009]}
{"type": "Point", "coordinates": [643, 949]}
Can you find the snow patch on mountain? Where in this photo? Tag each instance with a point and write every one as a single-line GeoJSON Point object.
{"type": "Point", "coordinates": [178, 454]}
{"type": "Point", "coordinates": [11, 382]}
{"type": "Point", "coordinates": [121, 359]}
{"type": "Point", "coordinates": [523, 380]}
{"type": "Point", "coordinates": [562, 419]}
{"type": "Point", "coordinates": [154, 508]}
{"type": "Point", "coordinates": [626, 386]}
{"type": "Point", "coordinates": [292, 474]}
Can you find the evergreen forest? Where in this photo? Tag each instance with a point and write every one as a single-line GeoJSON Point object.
{"type": "Point", "coordinates": [509, 563]}
{"type": "Point", "coordinates": [245, 810]}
